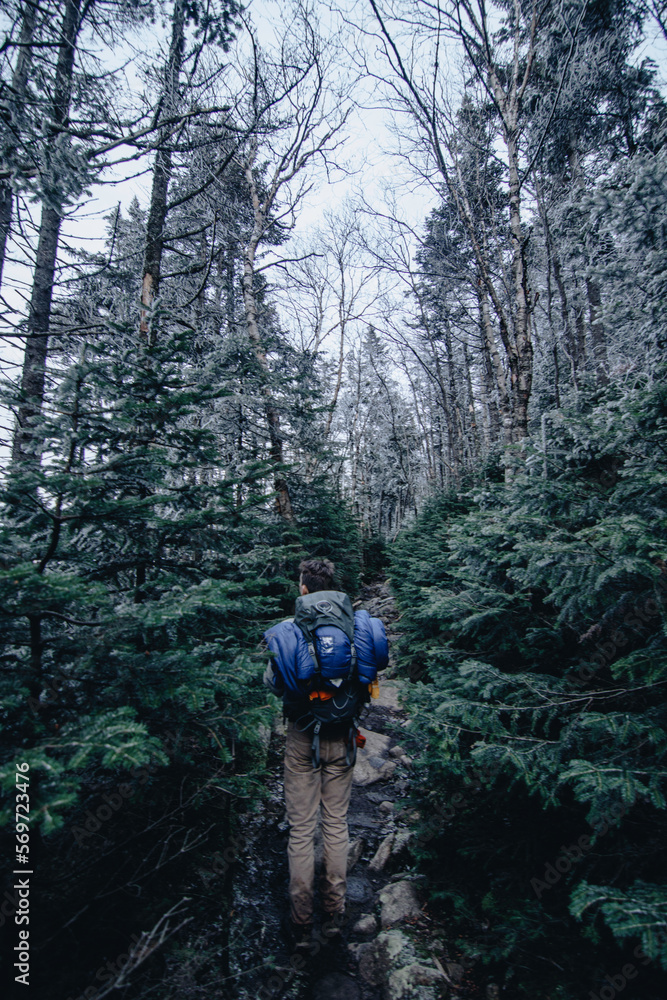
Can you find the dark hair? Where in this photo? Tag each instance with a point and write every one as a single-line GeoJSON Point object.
{"type": "Point", "coordinates": [317, 574]}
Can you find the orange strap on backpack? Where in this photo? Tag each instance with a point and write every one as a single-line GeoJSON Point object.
{"type": "Point", "coordinates": [320, 695]}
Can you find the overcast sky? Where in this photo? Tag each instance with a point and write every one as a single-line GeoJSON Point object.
{"type": "Point", "coordinates": [370, 166]}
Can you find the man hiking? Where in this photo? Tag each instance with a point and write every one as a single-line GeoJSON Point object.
{"type": "Point", "coordinates": [326, 659]}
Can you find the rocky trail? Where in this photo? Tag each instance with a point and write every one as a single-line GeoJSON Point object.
{"type": "Point", "coordinates": [390, 948]}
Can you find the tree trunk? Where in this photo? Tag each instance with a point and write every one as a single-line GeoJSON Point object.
{"type": "Point", "coordinates": [447, 412]}
{"type": "Point", "coordinates": [493, 413]}
{"type": "Point", "coordinates": [495, 362]}
{"type": "Point", "coordinates": [423, 428]}
{"type": "Point", "coordinates": [6, 206]}
{"type": "Point", "coordinates": [228, 284]}
{"type": "Point", "coordinates": [339, 378]}
{"type": "Point", "coordinates": [459, 430]}
{"type": "Point", "coordinates": [553, 265]}
{"type": "Point", "coordinates": [19, 83]}
{"type": "Point", "coordinates": [283, 501]}
{"type": "Point", "coordinates": [521, 370]}
{"type": "Point", "coordinates": [162, 170]}
{"type": "Point", "coordinates": [36, 349]}
{"type": "Point", "coordinates": [556, 377]}
{"type": "Point", "coordinates": [597, 331]}
{"type": "Point", "coordinates": [444, 467]}
{"type": "Point", "coordinates": [580, 329]}
{"type": "Point", "coordinates": [572, 342]}
{"type": "Point", "coordinates": [518, 340]}
{"type": "Point", "coordinates": [475, 449]}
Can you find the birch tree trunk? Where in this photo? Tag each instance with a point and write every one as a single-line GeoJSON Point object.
{"type": "Point", "coordinates": [508, 99]}
{"type": "Point", "coordinates": [474, 435]}
{"type": "Point", "coordinates": [449, 412]}
{"type": "Point", "coordinates": [494, 426]}
{"type": "Point", "coordinates": [419, 88]}
{"type": "Point", "coordinates": [495, 363]}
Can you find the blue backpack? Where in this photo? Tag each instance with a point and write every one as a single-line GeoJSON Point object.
{"type": "Point", "coordinates": [328, 655]}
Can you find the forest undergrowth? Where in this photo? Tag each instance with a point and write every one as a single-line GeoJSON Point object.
{"type": "Point", "coordinates": [264, 351]}
{"type": "Point", "coordinates": [533, 630]}
{"type": "Point", "coordinates": [134, 591]}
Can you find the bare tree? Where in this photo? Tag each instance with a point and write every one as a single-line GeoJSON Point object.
{"type": "Point", "coordinates": [305, 126]}
{"type": "Point", "coordinates": [412, 41]}
{"type": "Point", "coordinates": [332, 289]}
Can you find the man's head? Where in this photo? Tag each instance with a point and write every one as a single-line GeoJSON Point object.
{"type": "Point", "coordinates": [316, 574]}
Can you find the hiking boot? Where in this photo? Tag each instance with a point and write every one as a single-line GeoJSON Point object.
{"type": "Point", "coordinates": [298, 936]}
{"type": "Point", "coordinates": [332, 924]}
{"type": "Point", "coordinates": [303, 934]}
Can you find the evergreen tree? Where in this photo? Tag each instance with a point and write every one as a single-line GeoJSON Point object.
{"type": "Point", "coordinates": [134, 585]}
{"type": "Point", "coordinates": [534, 626]}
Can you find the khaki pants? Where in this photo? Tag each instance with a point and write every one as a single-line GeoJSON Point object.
{"type": "Point", "coordinates": [306, 788]}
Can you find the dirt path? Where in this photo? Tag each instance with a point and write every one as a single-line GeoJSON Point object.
{"type": "Point", "coordinates": [383, 954]}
